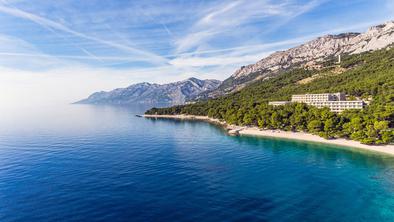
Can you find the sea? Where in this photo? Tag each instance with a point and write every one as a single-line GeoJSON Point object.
{"type": "Point", "coordinates": [103, 163]}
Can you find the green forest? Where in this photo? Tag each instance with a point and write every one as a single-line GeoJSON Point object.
{"type": "Point", "coordinates": [368, 76]}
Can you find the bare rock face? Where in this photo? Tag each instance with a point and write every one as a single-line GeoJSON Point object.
{"type": "Point", "coordinates": [146, 93]}
{"type": "Point", "coordinates": [310, 53]}
{"type": "Point", "coordinates": [376, 37]}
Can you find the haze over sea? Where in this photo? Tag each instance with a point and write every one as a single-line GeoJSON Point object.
{"type": "Point", "coordinates": [100, 163]}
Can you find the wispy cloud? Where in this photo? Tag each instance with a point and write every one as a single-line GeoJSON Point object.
{"type": "Point", "coordinates": [226, 17]}
{"type": "Point", "coordinates": [295, 11]}
{"type": "Point", "coordinates": [33, 55]}
{"type": "Point", "coordinates": [247, 54]}
{"type": "Point", "coordinates": [105, 44]}
{"type": "Point", "coordinates": [152, 18]}
{"type": "Point", "coordinates": [229, 18]}
{"type": "Point", "coordinates": [12, 51]}
{"type": "Point", "coordinates": [15, 51]}
{"type": "Point", "coordinates": [144, 55]}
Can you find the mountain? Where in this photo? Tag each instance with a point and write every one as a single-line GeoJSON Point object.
{"type": "Point", "coordinates": [173, 93]}
{"type": "Point", "coordinates": [309, 55]}
{"type": "Point", "coordinates": [367, 76]}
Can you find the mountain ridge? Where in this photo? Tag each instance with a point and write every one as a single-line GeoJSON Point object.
{"type": "Point", "coordinates": [307, 55]}
{"type": "Point", "coordinates": [365, 76]}
{"type": "Point", "coordinates": [172, 93]}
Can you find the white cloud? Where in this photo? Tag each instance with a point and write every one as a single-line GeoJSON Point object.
{"type": "Point", "coordinates": [238, 56]}
{"type": "Point", "coordinates": [226, 17]}
{"type": "Point", "coordinates": [51, 25]}
{"type": "Point", "coordinates": [12, 48]}
{"type": "Point", "coordinates": [79, 54]}
{"type": "Point", "coordinates": [216, 61]}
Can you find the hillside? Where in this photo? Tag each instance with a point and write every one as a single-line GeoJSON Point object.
{"type": "Point", "coordinates": [309, 55]}
{"type": "Point", "coordinates": [369, 75]}
{"type": "Point", "coordinates": [172, 93]}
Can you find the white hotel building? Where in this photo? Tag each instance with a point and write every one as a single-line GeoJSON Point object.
{"type": "Point", "coordinates": [335, 101]}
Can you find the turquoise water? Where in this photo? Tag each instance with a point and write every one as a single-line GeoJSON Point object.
{"type": "Point", "coordinates": [97, 163]}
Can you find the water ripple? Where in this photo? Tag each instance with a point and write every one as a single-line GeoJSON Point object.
{"type": "Point", "coordinates": [132, 169]}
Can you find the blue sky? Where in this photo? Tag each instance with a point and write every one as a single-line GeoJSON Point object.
{"type": "Point", "coordinates": [101, 44]}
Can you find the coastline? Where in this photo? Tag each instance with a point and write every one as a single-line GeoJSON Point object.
{"type": "Point", "coordinates": [254, 131]}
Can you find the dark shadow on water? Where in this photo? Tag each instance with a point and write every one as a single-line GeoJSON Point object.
{"type": "Point", "coordinates": [192, 123]}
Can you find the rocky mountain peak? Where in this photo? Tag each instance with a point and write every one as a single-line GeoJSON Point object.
{"type": "Point", "coordinates": [311, 53]}
{"type": "Point", "coordinates": [382, 27]}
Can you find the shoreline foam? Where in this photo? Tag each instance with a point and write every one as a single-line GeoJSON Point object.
{"type": "Point", "coordinates": [254, 131]}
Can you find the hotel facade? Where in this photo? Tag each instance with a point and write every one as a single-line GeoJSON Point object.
{"type": "Point", "coordinates": [335, 101]}
{"type": "Point", "coordinates": [323, 97]}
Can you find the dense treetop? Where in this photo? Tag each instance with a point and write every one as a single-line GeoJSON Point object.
{"type": "Point", "coordinates": [368, 76]}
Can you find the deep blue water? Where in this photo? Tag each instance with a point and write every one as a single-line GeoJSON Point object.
{"type": "Point", "coordinates": [95, 163]}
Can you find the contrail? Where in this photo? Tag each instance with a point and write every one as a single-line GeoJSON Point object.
{"type": "Point", "coordinates": [146, 56]}
{"type": "Point", "coordinates": [164, 26]}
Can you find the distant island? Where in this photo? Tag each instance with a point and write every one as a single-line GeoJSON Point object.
{"type": "Point", "coordinates": [365, 73]}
